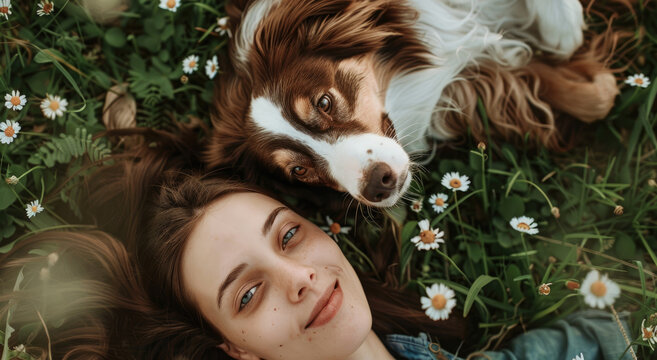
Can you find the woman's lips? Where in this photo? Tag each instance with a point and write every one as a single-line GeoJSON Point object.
{"type": "Point", "coordinates": [327, 306]}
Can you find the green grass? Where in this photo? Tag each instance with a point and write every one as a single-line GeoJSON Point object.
{"type": "Point", "coordinates": [492, 268]}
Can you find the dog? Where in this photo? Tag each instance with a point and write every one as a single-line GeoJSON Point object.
{"type": "Point", "coordinates": [339, 94]}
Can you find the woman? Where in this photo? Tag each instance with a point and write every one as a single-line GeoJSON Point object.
{"type": "Point", "coordinates": [225, 268]}
{"type": "Point", "coordinates": [212, 267]}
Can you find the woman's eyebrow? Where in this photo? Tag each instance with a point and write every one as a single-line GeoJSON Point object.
{"type": "Point", "coordinates": [232, 276]}
{"type": "Point", "coordinates": [235, 273]}
{"type": "Point", "coordinates": [270, 219]}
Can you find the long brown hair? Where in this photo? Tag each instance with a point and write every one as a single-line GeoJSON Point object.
{"type": "Point", "coordinates": [132, 299]}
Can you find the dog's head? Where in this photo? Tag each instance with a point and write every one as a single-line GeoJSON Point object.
{"type": "Point", "coordinates": [302, 94]}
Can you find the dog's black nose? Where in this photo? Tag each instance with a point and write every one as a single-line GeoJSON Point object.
{"type": "Point", "coordinates": [380, 180]}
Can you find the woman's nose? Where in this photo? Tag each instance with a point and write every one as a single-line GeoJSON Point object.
{"type": "Point", "coordinates": [299, 279]}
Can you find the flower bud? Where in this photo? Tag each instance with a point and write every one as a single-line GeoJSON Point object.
{"type": "Point", "coordinates": [12, 180]}
{"type": "Point", "coordinates": [481, 146]}
{"type": "Point", "coordinates": [618, 210]}
{"type": "Point", "coordinates": [184, 79]}
{"type": "Point", "coordinates": [555, 212]}
{"type": "Point", "coordinates": [572, 285]}
{"type": "Point", "coordinates": [544, 289]}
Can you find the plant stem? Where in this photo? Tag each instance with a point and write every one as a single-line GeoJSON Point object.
{"type": "Point", "coordinates": [622, 329]}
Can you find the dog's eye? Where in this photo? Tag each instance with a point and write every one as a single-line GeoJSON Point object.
{"type": "Point", "coordinates": [324, 103]}
{"type": "Point", "coordinates": [299, 170]}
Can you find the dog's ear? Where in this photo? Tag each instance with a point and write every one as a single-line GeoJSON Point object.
{"type": "Point", "coordinates": [231, 101]}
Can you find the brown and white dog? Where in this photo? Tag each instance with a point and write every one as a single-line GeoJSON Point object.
{"type": "Point", "coordinates": [338, 93]}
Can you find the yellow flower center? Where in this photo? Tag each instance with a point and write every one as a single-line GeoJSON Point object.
{"type": "Point", "coordinates": [440, 201]}
{"type": "Point", "coordinates": [34, 208]}
{"type": "Point", "coordinates": [4, 9]}
{"type": "Point", "coordinates": [9, 131]}
{"type": "Point", "coordinates": [438, 301]}
{"type": "Point", "coordinates": [54, 105]}
{"type": "Point", "coordinates": [638, 81]}
{"type": "Point", "coordinates": [455, 183]}
{"type": "Point", "coordinates": [599, 289]}
{"type": "Point", "coordinates": [647, 333]}
{"type": "Point", "coordinates": [335, 228]}
{"type": "Point", "coordinates": [523, 226]}
{"type": "Point", "coordinates": [47, 8]}
{"type": "Point", "coordinates": [213, 68]}
{"type": "Point", "coordinates": [427, 236]}
{"type": "Point", "coordinates": [416, 206]}
{"type": "Point", "coordinates": [171, 4]}
{"type": "Point", "coordinates": [192, 64]}
{"type": "Point", "coordinates": [15, 100]}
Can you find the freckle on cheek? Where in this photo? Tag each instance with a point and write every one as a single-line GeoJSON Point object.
{"type": "Point", "coordinates": [310, 339]}
{"type": "Point", "coordinates": [275, 309]}
{"type": "Point", "coordinates": [281, 345]}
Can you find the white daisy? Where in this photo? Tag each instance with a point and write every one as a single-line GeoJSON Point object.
{"type": "Point", "coordinates": [15, 101]}
{"type": "Point", "coordinates": [5, 8]}
{"type": "Point", "coordinates": [438, 202]}
{"type": "Point", "coordinates": [649, 334]}
{"type": "Point", "coordinates": [638, 80]}
{"type": "Point", "coordinates": [416, 205]}
{"type": "Point", "coordinates": [190, 64]}
{"type": "Point", "coordinates": [45, 8]}
{"type": "Point", "coordinates": [171, 5]}
{"type": "Point", "coordinates": [334, 228]}
{"type": "Point", "coordinates": [579, 357]}
{"type": "Point", "coordinates": [222, 26]}
{"type": "Point", "coordinates": [429, 238]}
{"type": "Point", "coordinates": [211, 67]}
{"type": "Point", "coordinates": [455, 181]}
{"type": "Point", "coordinates": [439, 303]}
{"type": "Point", "coordinates": [8, 131]}
{"type": "Point", "coordinates": [598, 290]}
{"type": "Point", "coordinates": [524, 224]}
{"type": "Point", "coordinates": [33, 208]}
{"type": "Point", "coordinates": [53, 106]}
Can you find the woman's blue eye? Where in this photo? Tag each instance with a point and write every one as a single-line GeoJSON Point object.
{"type": "Point", "coordinates": [288, 236]}
{"type": "Point", "coordinates": [247, 297]}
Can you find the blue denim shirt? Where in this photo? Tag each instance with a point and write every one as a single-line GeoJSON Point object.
{"type": "Point", "coordinates": [592, 333]}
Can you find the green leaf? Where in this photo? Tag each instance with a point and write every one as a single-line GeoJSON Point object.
{"type": "Point", "coordinates": [7, 196]}
{"type": "Point", "coordinates": [473, 293]}
{"type": "Point", "coordinates": [115, 37]}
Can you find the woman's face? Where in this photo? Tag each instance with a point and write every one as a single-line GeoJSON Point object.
{"type": "Point", "coordinates": [274, 284]}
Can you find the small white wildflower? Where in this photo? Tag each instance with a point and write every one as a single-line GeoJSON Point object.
{"type": "Point", "coordinates": [9, 131]}
{"type": "Point", "coordinates": [439, 303]}
{"type": "Point", "coordinates": [455, 181]}
{"type": "Point", "coordinates": [211, 67]}
{"type": "Point", "coordinates": [416, 205]}
{"type": "Point", "coordinates": [438, 202]}
{"type": "Point", "coordinates": [190, 64]}
{"type": "Point", "coordinates": [53, 106]}
{"type": "Point", "coordinates": [524, 224]}
{"type": "Point", "coordinates": [45, 8]}
{"type": "Point", "coordinates": [33, 208]}
{"type": "Point", "coordinates": [638, 80]}
{"type": "Point", "coordinates": [579, 357]}
{"type": "Point", "coordinates": [15, 101]}
{"type": "Point", "coordinates": [222, 26]}
{"type": "Point", "coordinates": [429, 238]}
{"type": "Point", "coordinates": [598, 290]}
{"type": "Point", "coordinates": [334, 228]}
{"type": "Point", "coordinates": [5, 8]}
{"type": "Point", "coordinates": [171, 5]}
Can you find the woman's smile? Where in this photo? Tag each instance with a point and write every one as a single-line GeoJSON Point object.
{"type": "Point", "coordinates": [327, 306]}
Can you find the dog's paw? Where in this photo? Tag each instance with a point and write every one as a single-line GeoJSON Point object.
{"type": "Point", "coordinates": [561, 25]}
